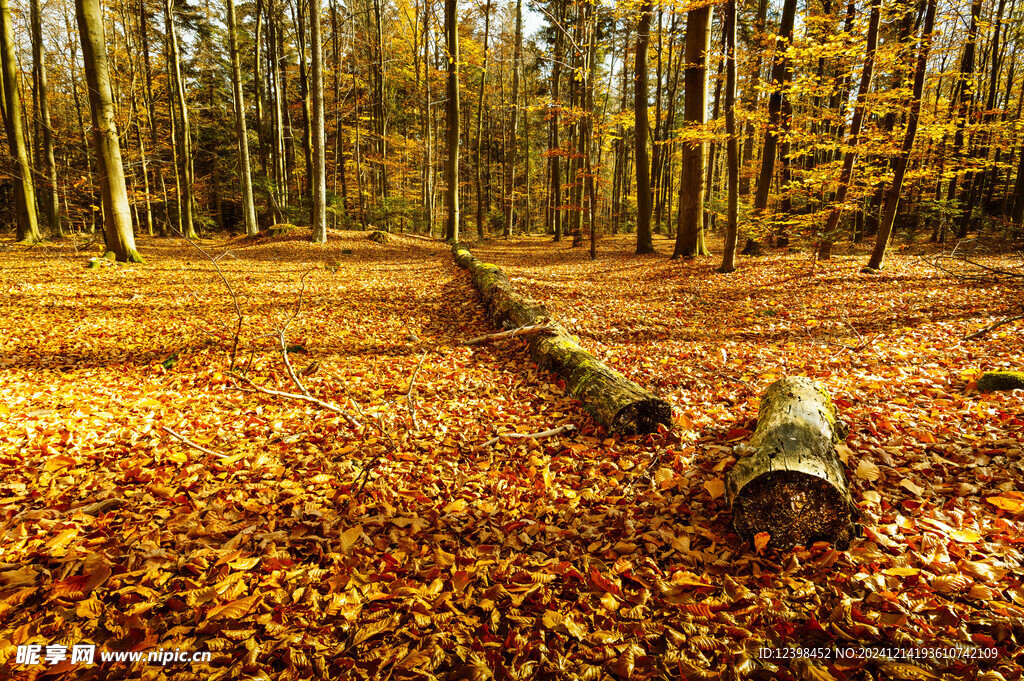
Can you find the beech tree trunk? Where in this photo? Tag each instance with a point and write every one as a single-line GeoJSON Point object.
{"type": "Point", "coordinates": [791, 483]}
{"type": "Point", "coordinates": [244, 167]}
{"type": "Point", "coordinates": [614, 401]}
{"type": "Point", "coordinates": [318, 141]}
{"type": "Point", "coordinates": [690, 221]}
{"type": "Point", "coordinates": [25, 196]}
{"type": "Point", "coordinates": [451, 26]}
{"type": "Point", "coordinates": [52, 198]}
{"type": "Point", "coordinates": [892, 199]}
{"type": "Point", "coordinates": [184, 131]}
{"type": "Point", "coordinates": [117, 217]}
{"type": "Point", "coordinates": [732, 144]}
{"type": "Point", "coordinates": [644, 238]}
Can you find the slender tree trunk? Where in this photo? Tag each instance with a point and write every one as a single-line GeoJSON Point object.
{"type": "Point", "coordinates": [25, 197]}
{"type": "Point", "coordinates": [644, 238]}
{"type": "Point", "coordinates": [184, 132]}
{"type": "Point", "coordinates": [451, 25]}
{"type": "Point", "coordinates": [690, 220]}
{"type": "Point", "coordinates": [732, 144]}
{"type": "Point", "coordinates": [900, 170]}
{"type": "Point", "coordinates": [510, 167]}
{"type": "Point", "coordinates": [850, 158]}
{"type": "Point", "coordinates": [481, 98]}
{"type": "Point", "coordinates": [241, 136]}
{"type": "Point", "coordinates": [319, 179]}
{"type": "Point", "coordinates": [117, 219]}
{"type": "Point", "coordinates": [49, 162]}
{"type": "Point", "coordinates": [555, 142]}
{"type": "Point", "coordinates": [780, 80]}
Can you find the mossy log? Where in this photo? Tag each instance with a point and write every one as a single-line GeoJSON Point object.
{"type": "Point", "coordinates": [379, 236]}
{"type": "Point", "coordinates": [992, 381]}
{"type": "Point", "coordinates": [617, 403]}
{"type": "Point", "coordinates": [791, 482]}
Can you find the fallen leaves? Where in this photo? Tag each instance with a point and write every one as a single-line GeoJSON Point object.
{"type": "Point", "coordinates": [583, 555]}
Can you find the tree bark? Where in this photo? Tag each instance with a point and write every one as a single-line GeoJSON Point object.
{"type": "Point", "coordinates": [510, 166]}
{"type": "Point", "coordinates": [52, 201]}
{"type": "Point", "coordinates": [25, 196]}
{"type": "Point", "coordinates": [480, 126]}
{"type": "Point", "coordinates": [318, 141]}
{"type": "Point", "coordinates": [732, 144]}
{"type": "Point", "coordinates": [242, 137]}
{"type": "Point", "coordinates": [693, 153]}
{"type": "Point", "coordinates": [614, 401]}
{"type": "Point", "coordinates": [451, 25]}
{"type": "Point", "coordinates": [117, 217]}
{"type": "Point", "coordinates": [644, 238]}
{"type": "Point", "coordinates": [184, 131]}
{"type": "Point", "coordinates": [791, 483]}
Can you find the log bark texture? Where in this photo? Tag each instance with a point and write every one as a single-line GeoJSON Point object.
{"type": "Point", "coordinates": [617, 403]}
{"type": "Point", "coordinates": [791, 483]}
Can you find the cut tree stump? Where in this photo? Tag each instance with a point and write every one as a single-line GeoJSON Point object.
{"type": "Point", "coordinates": [791, 482]}
{"type": "Point", "coordinates": [617, 403]}
{"type": "Point", "coordinates": [994, 381]}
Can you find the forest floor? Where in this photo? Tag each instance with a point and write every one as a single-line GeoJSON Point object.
{"type": "Point", "coordinates": [583, 556]}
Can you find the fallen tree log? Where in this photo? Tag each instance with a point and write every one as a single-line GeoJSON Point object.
{"type": "Point", "coordinates": [791, 483]}
{"type": "Point", "coordinates": [615, 402]}
{"type": "Point", "coordinates": [994, 381]}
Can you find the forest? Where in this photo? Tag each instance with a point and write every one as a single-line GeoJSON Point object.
{"type": "Point", "coordinates": [493, 340]}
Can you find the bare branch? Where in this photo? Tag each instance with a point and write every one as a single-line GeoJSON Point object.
{"type": "Point", "coordinates": [193, 445]}
{"type": "Point", "coordinates": [521, 331]}
{"type": "Point", "coordinates": [994, 325]}
{"type": "Point", "coordinates": [408, 393]}
{"type": "Point", "coordinates": [297, 396]}
{"type": "Point", "coordinates": [544, 433]}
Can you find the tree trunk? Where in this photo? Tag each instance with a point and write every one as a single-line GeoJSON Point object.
{"type": "Point", "coordinates": [25, 197]}
{"type": "Point", "coordinates": [644, 238]}
{"type": "Point", "coordinates": [319, 144]}
{"type": "Point", "coordinates": [49, 162]}
{"type": "Point", "coordinates": [732, 143]}
{"type": "Point", "coordinates": [893, 197]}
{"type": "Point", "coordinates": [510, 166]}
{"type": "Point", "coordinates": [117, 218]}
{"type": "Point", "coordinates": [184, 132]}
{"type": "Point", "coordinates": [451, 26]}
{"type": "Point", "coordinates": [480, 127]}
{"type": "Point", "coordinates": [244, 167]}
{"type": "Point", "coordinates": [690, 221]}
{"type": "Point", "coordinates": [780, 80]}
{"type": "Point", "coordinates": [614, 401]}
{"type": "Point", "coordinates": [791, 483]}
{"type": "Point", "coordinates": [850, 158]}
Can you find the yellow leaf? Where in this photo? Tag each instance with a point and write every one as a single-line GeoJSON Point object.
{"type": "Point", "coordinates": [350, 537]}
{"type": "Point", "coordinates": [761, 540]}
{"type": "Point", "coordinates": [233, 610]}
{"type": "Point", "coordinates": [910, 486]}
{"type": "Point", "coordinates": [715, 488]}
{"type": "Point", "coordinates": [150, 402]}
{"type": "Point", "coordinates": [1007, 504]}
{"type": "Point", "coordinates": [966, 536]}
{"type": "Point", "coordinates": [552, 619]}
{"type": "Point", "coordinates": [901, 572]}
{"type": "Point", "coordinates": [456, 506]}
{"type": "Point", "coordinates": [866, 470]}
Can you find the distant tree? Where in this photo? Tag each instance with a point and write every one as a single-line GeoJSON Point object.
{"type": "Point", "coordinates": [51, 199]}
{"type": "Point", "coordinates": [732, 144]}
{"type": "Point", "coordinates": [117, 221]}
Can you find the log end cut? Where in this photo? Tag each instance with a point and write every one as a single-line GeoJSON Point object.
{"type": "Point", "coordinates": [794, 508]}
{"type": "Point", "coordinates": [643, 416]}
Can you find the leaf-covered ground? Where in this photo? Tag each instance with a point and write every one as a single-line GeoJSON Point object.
{"type": "Point", "coordinates": [590, 556]}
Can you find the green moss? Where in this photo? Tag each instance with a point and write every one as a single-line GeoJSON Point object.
{"type": "Point", "coordinates": [992, 381]}
{"type": "Point", "coordinates": [379, 237]}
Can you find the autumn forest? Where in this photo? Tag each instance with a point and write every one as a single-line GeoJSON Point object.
{"type": "Point", "coordinates": [505, 339]}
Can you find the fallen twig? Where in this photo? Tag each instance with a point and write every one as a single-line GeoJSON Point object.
{"type": "Point", "coordinates": [545, 433]}
{"type": "Point", "coordinates": [521, 331]}
{"type": "Point", "coordinates": [408, 393]}
{"type": "Point", "coordinates": [98, 507]}
{"type": "Point", "coordinates": [188, 442]}
{"type": "Point", "coordinates": [994, 325]}
{"type": "Point", "coordinates": [297, 396]}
